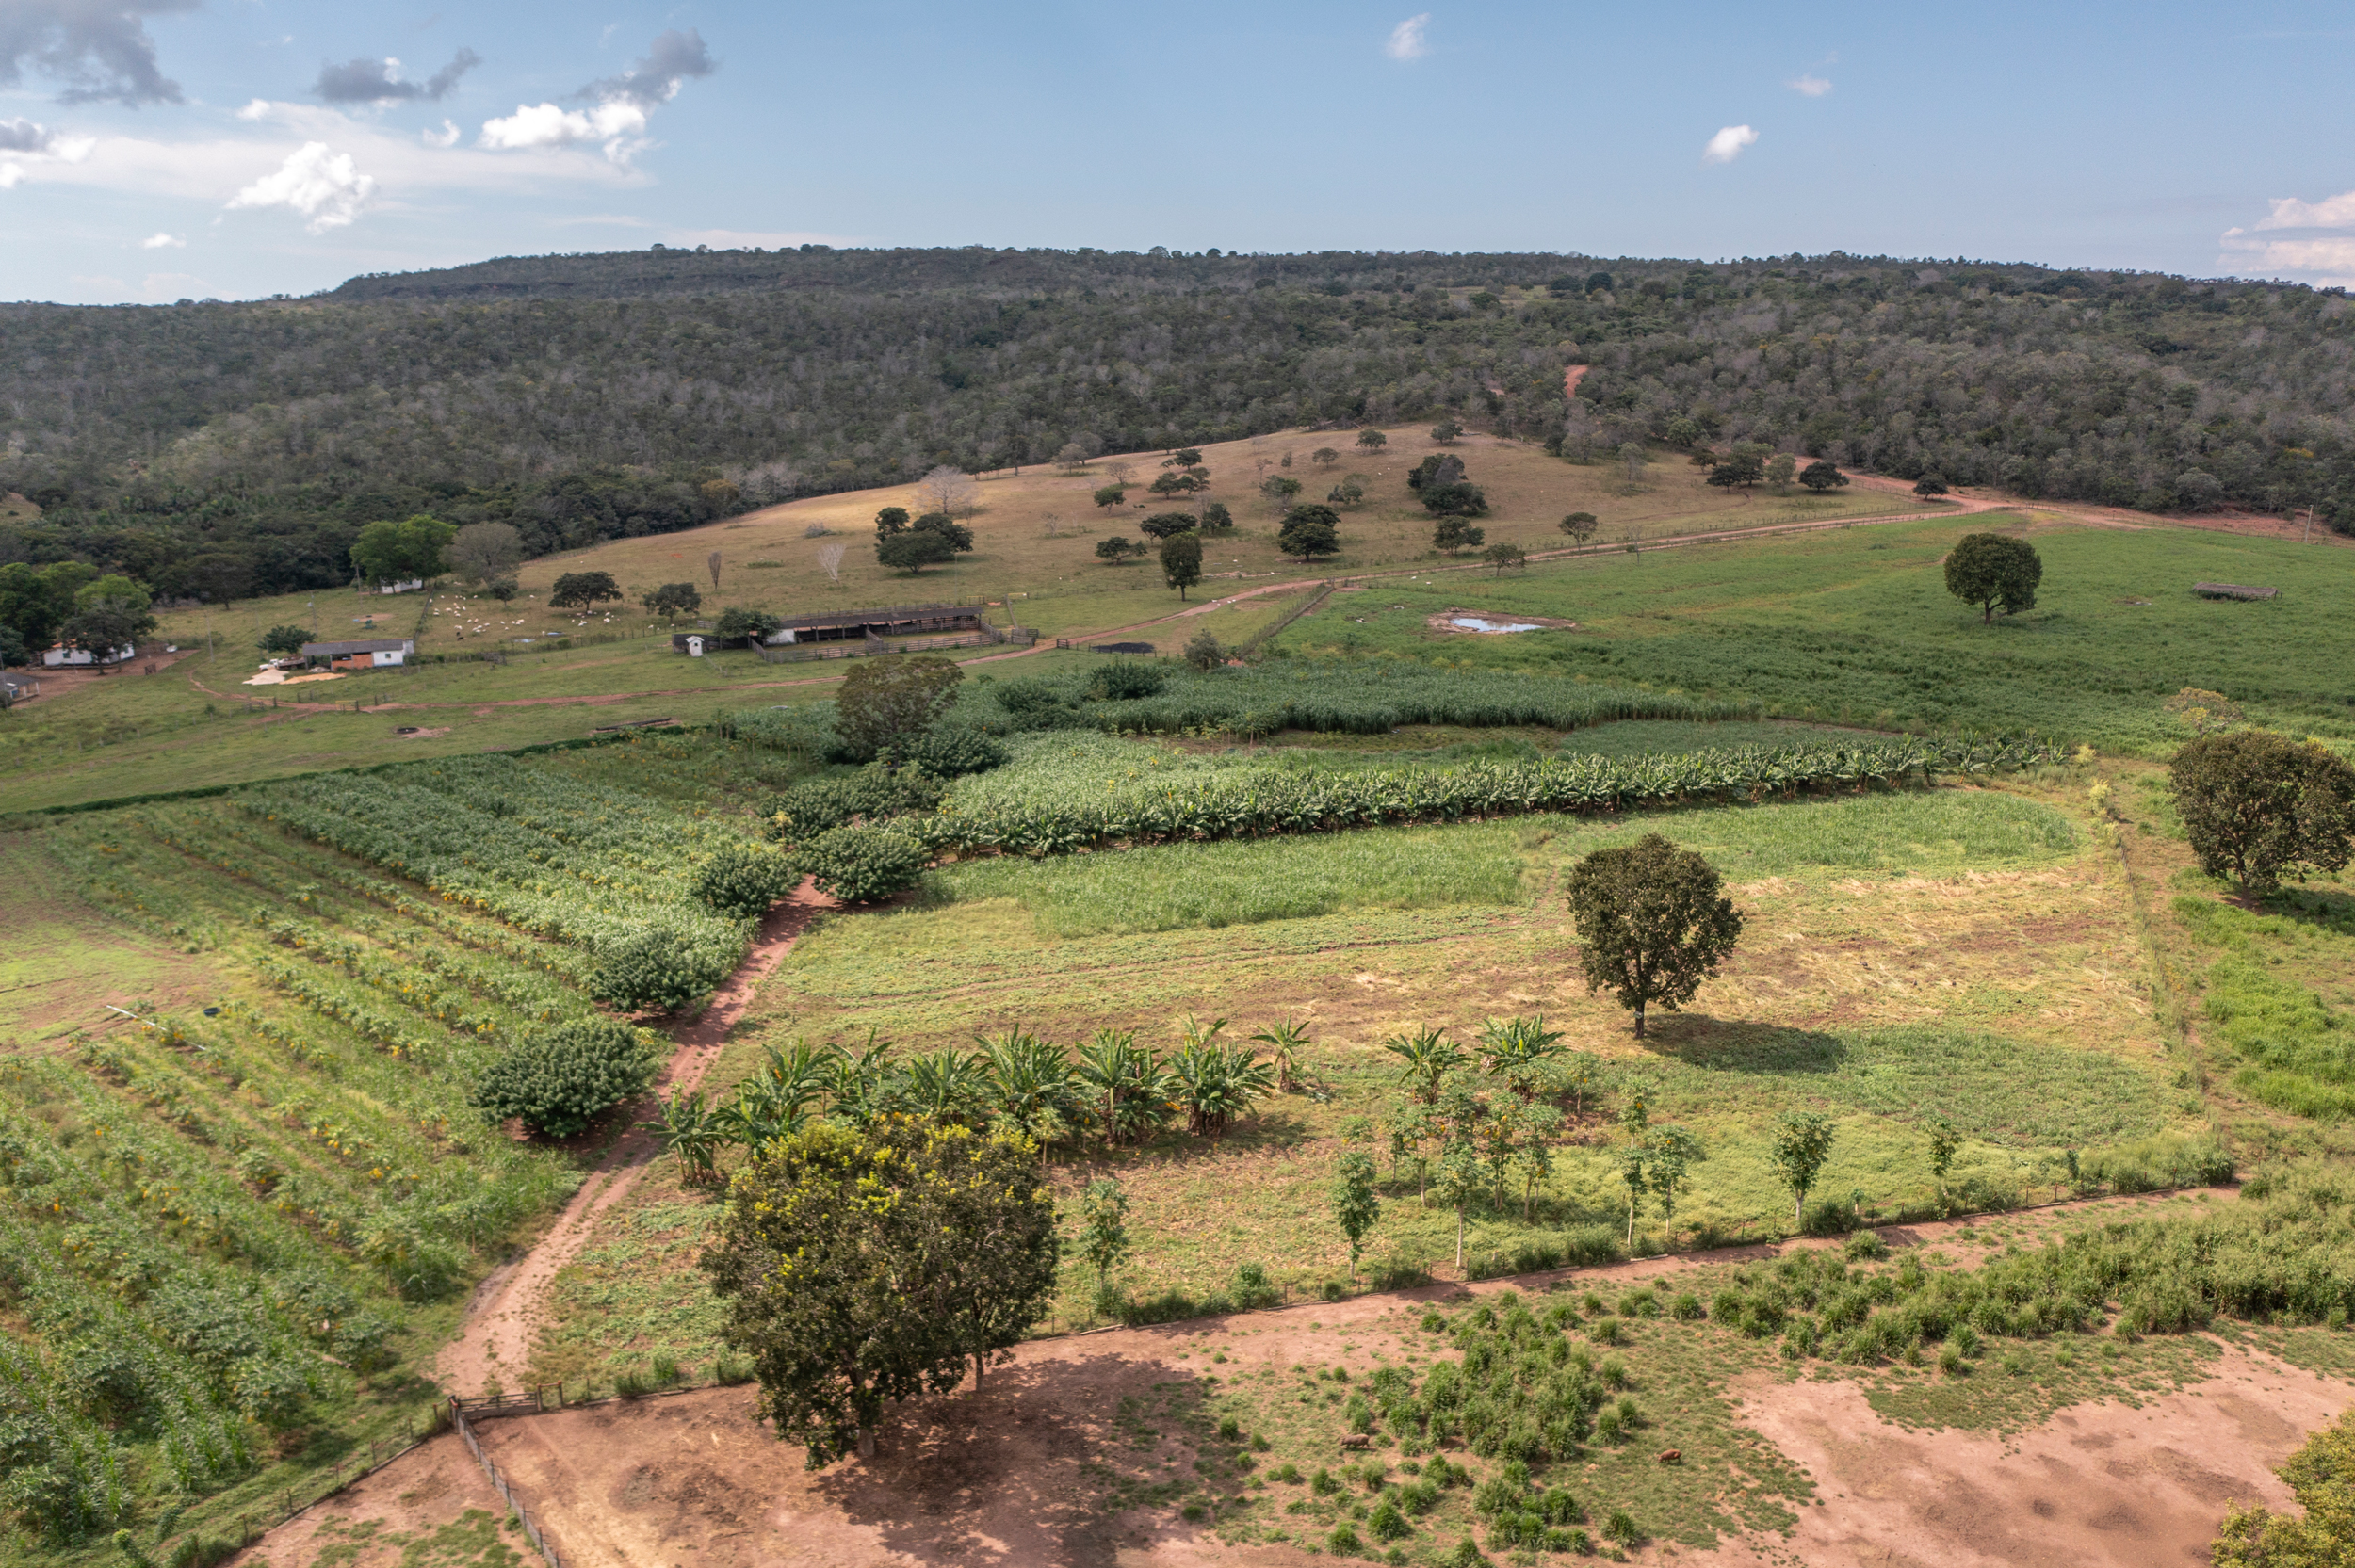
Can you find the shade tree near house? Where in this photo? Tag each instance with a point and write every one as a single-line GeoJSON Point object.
{"type": "Point", "coordinates": [485, 552]}
{"type": "Point", "coordinates": [675, 599]}
{"type": "Point", "coordinates": [390, 551]}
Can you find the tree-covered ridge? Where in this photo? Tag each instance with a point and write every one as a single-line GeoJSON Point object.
{"type": "Point", "coordinates": [223, 449]}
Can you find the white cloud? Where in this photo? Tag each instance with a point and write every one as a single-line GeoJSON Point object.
{"type": "Point", "coordinates": [11, 174]}
{"type": "Point", "coordinates": [1809, 85]}
{"type": "Point", "coordinates": [324, 186]}
{"type": "Point", "coordinates": [2310, 241]}
{"type": "Point", "coordinates": [541, 125]}
{"type": "Point", "coordinates": [1726, 144]}
{"type": "Point", "coordinates": [445, 136]}
{"type": "Point", "coordinates": [1406, 39]}
{"type": "Point", "coordinates": [163, 242]}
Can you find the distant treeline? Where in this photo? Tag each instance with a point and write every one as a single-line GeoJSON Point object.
{"type": "Point", "coordinates": [227, 449]}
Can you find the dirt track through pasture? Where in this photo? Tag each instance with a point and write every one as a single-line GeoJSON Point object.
{"type": "Point", "coordinates": [505, 1310]}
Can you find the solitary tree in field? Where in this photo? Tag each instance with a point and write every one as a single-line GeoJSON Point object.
{"type": "Point", "coordinates": [1503, 555]}
{"type": "Point", "coordinates": [1169, 524]}
{"type": "Point", "coordinates": [1929, 486]}
{"type": "Point", "coordinates": [1652, 922]}
{"type": "Point", "coordinates": [1779, 468]}
{"type": "Point", "coordinates": [948, 489]}
{"type": "Point", "coordinates": [1821, 477]}
{"type": "Point", "coordinates": [1181, 561]}
{"type": "Point", "coordinates": [916, 549]}
{"type": "Point", "coordinates": [2258, 806]}
{"type": "Point", "coordinates": [1994, 571]}
{"type": "Point", "coordinates": [1115, 550]}
{"type": "Point", "coordinates": [889, 702]}
{"type": "Point", "coordinates": [1802, 1144]}
{"type": "Point", "coordinates": [1455, 534]}
{"type": "Point", "coordinates": [1446, 432]}
{"type": "Point", "coordinates": [1176, 484]}
{"type": "Point", "coordinates": [1112, 495]}
{"type": "Point", "coordinates": [1356, 1205]}
{"type": "Point", "coordinates": [1280, 489]}
{"type": "Point", "coordinates": [1310, 531]}
{"type": "Point", "coordinates": [1324, 457]}
{"type": "Point", "coordinates": [675, 599]}
{"type": "Point", "coordinates": [1581, 527]}
{"type": "Point", "coordinates": [1372, 441]}
{"type": "Point", "coordinates": [1351, 492]}
{"type": "Point", "coordinates": [583, 590]}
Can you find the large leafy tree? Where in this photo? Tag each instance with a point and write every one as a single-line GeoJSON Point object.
{"type": "Point", "coordinates": [2322, 1480]}
{"type": "Point", "coordinates": [1653, 923]}
{"type": "Point", "coordinates": [865, 1265]}
{"type": "Point", "coordinates": [885, 702]}
{"type": "Point", "coordinates": [389, 551]}
{"type": "Point", "coordinates": [484, 552]}
{"type": "Point", "coordinates": [584, 590]}
{"type": "Point", "coordinates": [1994, 571]}
{"type": "Point", "coordinates": [1308, 531]}
{"type": "Point", "coordinates": [914, 550]}
{"type": "Point", "coordinates": [675, 599]}
{"type": "Point", "coordinates": [1181, 561]}
{"type": "Point", "coordinates": [2259, 807]}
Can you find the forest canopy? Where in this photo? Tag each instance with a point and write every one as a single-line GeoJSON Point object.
{"type": "Point", "coordinates": [216, 450]}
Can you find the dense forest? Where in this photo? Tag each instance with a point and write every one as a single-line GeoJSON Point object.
{"type": "Point", "coordinates": [221, 451]}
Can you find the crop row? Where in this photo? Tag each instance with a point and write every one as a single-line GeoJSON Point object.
{"type": "Point", "coordinates": [1252, 806]}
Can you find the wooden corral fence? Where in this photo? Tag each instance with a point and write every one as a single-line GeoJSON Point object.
{"type": "Point", "coordinates": [460, 1412]}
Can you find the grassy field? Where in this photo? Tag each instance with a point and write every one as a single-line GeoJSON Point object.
{"type": "Point", "coordinates": [1857, 627]}
{"type": "Point", "coordinates": [1963, 952]}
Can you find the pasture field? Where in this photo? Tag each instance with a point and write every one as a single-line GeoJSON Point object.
{"type": "Point", "coordinates": [232, 1236]}
{"type": "Point", "coordinates": [1857, 627]}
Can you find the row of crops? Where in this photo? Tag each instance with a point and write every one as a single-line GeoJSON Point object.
{"type": "Point", "coordinates": [1245, 802]}
{"type": "Point", "coordinates": [226, 1239]}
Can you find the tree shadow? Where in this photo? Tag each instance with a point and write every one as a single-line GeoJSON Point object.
{"type": "Point", "coordinates": [2328, 911]}
{"type": "Point", "coordinates": [1737, 1045]}
{"type": "Point", "coordinates": [1044, 1463]}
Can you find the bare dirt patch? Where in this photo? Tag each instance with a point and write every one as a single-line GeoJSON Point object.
{"type": "Point", "coordinates": [426, 1493]}
{"type": "Point", "coordinates": [2134, 1485]}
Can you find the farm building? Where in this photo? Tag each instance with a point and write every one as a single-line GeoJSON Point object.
{"type": "Point", "coordinates": [898, 621]}
{"type": "Point", "coordinates": [18, 688]}
{"type": "Point", "coordinates": [378, 652]}
{"type": "Point", "coordinates": [66, 655]}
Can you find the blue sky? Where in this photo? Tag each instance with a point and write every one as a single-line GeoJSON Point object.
{"type": "Point", "coordinates": [157, 149]}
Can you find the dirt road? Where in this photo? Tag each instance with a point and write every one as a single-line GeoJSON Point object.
{"type": "Point", "coordinates": [494, 1347]}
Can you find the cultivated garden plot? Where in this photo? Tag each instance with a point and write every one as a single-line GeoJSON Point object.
{"type": "Point", "coordinates": [230, 1236]}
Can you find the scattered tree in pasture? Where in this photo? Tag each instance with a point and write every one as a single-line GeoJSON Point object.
{"type": "Point", "coordinates": [1372, 441]}
{"type": "Point", "coordinates": [1324, 457]}
{"type": "Point", "coordinates": [285, 642]}
{"type": "Point", "coordinates": [558, 1080]}
{"type": "Point", "coordinates": [1455, 534]}
{"type": "Point", "coordinates": [1216, 518]}
{"type": "Point", "coordinates": [1502, 554]}
{"type": "Point", "coordinates": [1802, 1144]}
{"type": "Point", "coordinates": [960, 538]}
{"type": "Point", "coordinates": [392, 552]}
{"type": "Point", "coordinates": [1176, 484]}
{"type": "Point", "coordinates": [1071, 458]}
{"type": "Point", "coordinates": [1181, 561]}
{"type": "Point", "coordinates": [862, 1267]}
{"type": "Point", "coordinates": [1184, 457]}
{"type": "Point", "coordinates": [1821, 477]}
{"type": "Point", "coordinates": [1113, 551]}
{"type": "Point", "coordinates": [1446, 431]}
{"type": "Point", "coordinates": [947, 489]}
{"type": "Point", "coordinates": [891, 520]}
{"type": "Point", "coordinates": [1351, 492]}
{"type": "Point", "coordinates": [1168, 525]}
{"type": "Point", "coordinates": [1355, 1204]}
{"type": "Point", "coordinates": [1929, 486]}
{"type": "Point", "coordinates": [1202, 651]}
{"type": "Point", "coordinates": [914, 550]}
{"type": "Point", "coordinates": [1112, 495]}
{"type": "Point", "coordinates": [2259, 807]}
{"type": "Point", "coordinates": [1743, 469]}
{"type": "Point", "coordinates": [1280, 489]}
{"type": "Point", "coordinates": [675, 599]}
{"type": "Point", "coordinates": [1581, 527]}
{"type": "Point", "coordinates": [888, 702]}
{"type": "Point", "coordinates": [1653, 923]}
{"type": "Point", "coordinates": [830, 560]}
{"type": "Point", "coordinates": [1779, 469]}
{"type": "Point", "coordinates": [480, 552]}
{"type": "Point", "coordinates": [584, 590]}
{"type": "Point", "coordinates": [1633, 458]}
{"type": "Point", "coordinates": [1310, 531]}
{"type": "Point", "coordinates": [1994, 571]}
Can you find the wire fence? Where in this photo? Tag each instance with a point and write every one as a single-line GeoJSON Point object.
{"type": "Point", "coordinates": [498, 1484]}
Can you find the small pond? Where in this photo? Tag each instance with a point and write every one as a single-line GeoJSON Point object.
{"type": "Point", "coordinates": [1481, 623]}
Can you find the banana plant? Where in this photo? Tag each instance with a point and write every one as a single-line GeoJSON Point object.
{"type": "Point", "coordinates": [1033, 1086]}
{"type": "Point", "coordinates": [1517, 1051]}
{"type": "Point", "coordinates": [1284, 1042]}
{"type": "Point", "coordinates": [1426, 1057]}
{"type": "Point", "coordinates": [1214, 1083]}
{"type": "Point", "coordinates": [689, 1127]}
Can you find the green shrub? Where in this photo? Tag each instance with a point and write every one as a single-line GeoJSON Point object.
{"type": "Point", "coordinates": [659, 968]}
{"type": "Point", "coordinates": [871, 795]}
{"type": "Point", "coordinates": [863, 865]}
{"type": "Point", "coordinates": [563, 1078]}
{"type": "Point", "coordinates": [1465, 1556]}
{"type": "Point", "coordinates": [1122, 680]}
{"type": "Point", "coordinates": [952, 751]}
{"type": "Point", "coordinates": [1387, 1522]}
{"type": "Point", "coordinates": [741, 881]}
{"type": "Point", "coordinates": [1344, 1541]}
{"type": "Point", "coordinates": [1620, 1526]}
{"type": "Point", "coordinates": [1687, 1307]}
{"type": "Point", "coordinates": [1866, 1244]}
{"type": "Point", "coordinates": [1252, 1288]}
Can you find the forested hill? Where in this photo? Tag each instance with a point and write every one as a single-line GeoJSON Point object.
{"type": "Point", "coordinates": [226, 449]}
